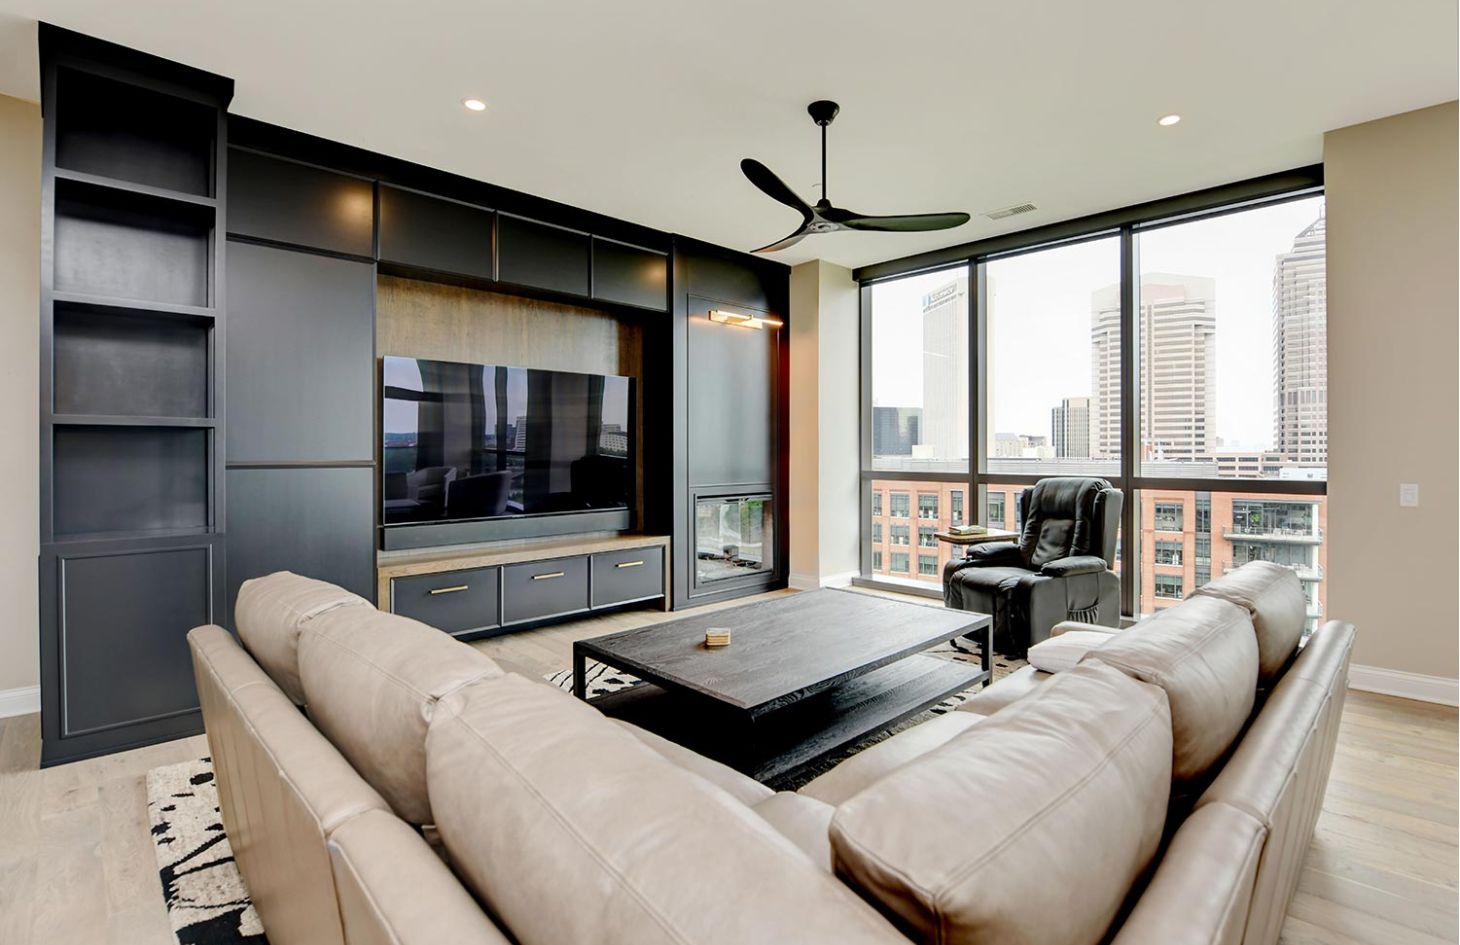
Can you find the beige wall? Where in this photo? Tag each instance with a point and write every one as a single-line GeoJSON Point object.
{"type": "Point", "coordinates": [824, 410]}
{"type": "Point", "coordinates": [20, 202]}
{"type": "Point", "coordinates": [1392, 392]}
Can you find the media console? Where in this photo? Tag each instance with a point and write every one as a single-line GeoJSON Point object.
{"type": "Point", "coordinates": [477, 591]}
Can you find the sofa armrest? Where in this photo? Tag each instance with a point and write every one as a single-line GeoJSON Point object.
{"type": "Point", "coordinates": [1066, 626]}
{"type": "Point", "coordinates": [1079, 564]}
{"type": "Point", "coordinates": [1057, 654]}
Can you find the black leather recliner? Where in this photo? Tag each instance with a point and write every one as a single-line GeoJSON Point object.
{"type": "Point", "coordinates": [1058, 570]}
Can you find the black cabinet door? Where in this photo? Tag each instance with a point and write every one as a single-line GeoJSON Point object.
{"type": "Point", "coordinates": [629, 275]}
{"type": "Point", "coordinates": [314, 521]}
{"type": "Point", "coordinates": [301, 356]}
{"type": "Point", "coordinates": [420, 232]}
{"type": "Point", "coordinates": [732, 400]}
{"type": "Point", "coordinates": [458, 602]}
{"type": "Point", "coordinates": [285, 202]}
{"type": "Point", "coordinates": [541, 256]}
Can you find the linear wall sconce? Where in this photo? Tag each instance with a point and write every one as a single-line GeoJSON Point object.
{"type": "Point", "coordinates": [758, 322]}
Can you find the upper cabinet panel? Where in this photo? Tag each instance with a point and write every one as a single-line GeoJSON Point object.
{"type": "Point", "coordinates": [629, 275]}
{"type": "Point", "coordinates": [418, 231]}
{"type": "Point", "coordinates": [285, 202]}
{"type": "Point", "coordinates": [542, 256]}
{"type": "Point", "coordinates": [301, 346]}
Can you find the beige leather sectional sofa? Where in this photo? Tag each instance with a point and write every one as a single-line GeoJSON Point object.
{"type": "Point", "coordinates": [382, 782]}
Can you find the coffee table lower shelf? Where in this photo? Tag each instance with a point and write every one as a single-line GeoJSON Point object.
{"type": "Point", "coordinates": [777, 745]}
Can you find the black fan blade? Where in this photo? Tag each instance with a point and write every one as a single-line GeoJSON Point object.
{"type": "Point", "coordinates": [909, 223]}
{"type": "Point", "coordinates": [786, 243]}
{"type": "Point", "coordinates": [773, 186]}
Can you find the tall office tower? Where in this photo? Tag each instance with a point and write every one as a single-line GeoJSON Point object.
{"type": "Point", "coordinates": [1178, 366]}
{"type": "Point", "coordinates": [895, 430]}
{"type": "Point", "coordinates": [1071, 428]}
{"type": "Point", "coordinates": [1300, 349]}
{"type": "Point", "coordinates": [944, 423]}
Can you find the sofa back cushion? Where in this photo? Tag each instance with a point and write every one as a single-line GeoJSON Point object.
{"type": "Point", "coordinates": [1273, 597]}
{"type": "Point", "coordinates": [372, 681]}
{"type": "Point", "coordinates": [571, 829]}
{"type": "Point", "coordinates": [1030, 827]}
{"type": "Point", "coordinates": [1204, 654]}
{"type": "Point", "coordinates": [270, 613]}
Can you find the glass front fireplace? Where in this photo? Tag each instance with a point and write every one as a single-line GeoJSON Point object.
{"type": "Point", "coordinates": [734, 537]}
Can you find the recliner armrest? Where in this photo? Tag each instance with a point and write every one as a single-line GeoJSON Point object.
{"type": "Point", "coordinates": [1079, 564]}
{"type": "Point", "coordinates": [994, 553]}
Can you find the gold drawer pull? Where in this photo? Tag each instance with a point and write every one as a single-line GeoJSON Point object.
{"type": "Point", "coordinates": [628, 564]}
{"type": "Point", "coordinates": [450, 590]}
{"type": "Point", "coordinates": [548, 576]}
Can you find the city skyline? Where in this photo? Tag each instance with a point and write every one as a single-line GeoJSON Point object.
{"type": "Point", "coordinates": [1240, 254]}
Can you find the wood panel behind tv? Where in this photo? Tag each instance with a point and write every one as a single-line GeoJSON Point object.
{"type": "Point", "coordinates": [415, 319]}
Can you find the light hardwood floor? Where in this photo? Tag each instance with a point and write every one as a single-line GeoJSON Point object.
{"type": "Point", "coordinates": [76, 861]}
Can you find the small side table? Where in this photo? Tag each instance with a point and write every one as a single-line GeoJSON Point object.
{"type": "Point", "coordinates": [993, 534]}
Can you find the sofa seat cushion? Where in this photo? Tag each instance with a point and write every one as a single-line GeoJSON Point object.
{"type": "Point", "coordinates": [1204, 654]}
{"type": "Point", "coordinates": [570, 829]}
{"type": "Point", "coordinates": [803, 820]}
{"type": "Point", "coordinates": [1062, 652]}
{"type": "Point", "coordinates": [372, 681]}
{"type": "Point", "coordinates": [1007, 691]}
{"type": "Point", "coordinates": [867, 766]}
{"type": "Point", "coordinates": [746, 790]}
{"type": "Point", "coordinates": [1273, 597]}
{"type": "Point", "coordinates": [1031, 827]}
{"type": "Point", "coordinates": [270, 613]}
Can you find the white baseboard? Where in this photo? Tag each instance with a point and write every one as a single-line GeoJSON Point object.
{"type": "Point", "coordinates": [810, 582]}
{"type": "Point", "coordinates": [22, 701]}
{"type": "Point", "coordinates": [1393, 682]}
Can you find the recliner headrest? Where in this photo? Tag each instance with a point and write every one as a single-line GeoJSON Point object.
{"type": "Point", "coordinates": [1061, 519]}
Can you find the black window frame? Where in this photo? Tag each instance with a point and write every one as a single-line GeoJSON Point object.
{"type": "Point", "coordinates": [1126, 224]}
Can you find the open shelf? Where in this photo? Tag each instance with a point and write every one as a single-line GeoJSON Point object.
{"type": "Point", "coordinates": [142, 366]}
{"type": "Point", "coordinates": [96, 180]}
{"type": "Point", "coordinates": [127, 308]}
{"type": "Point", "coordinates": [125, 132]}
{"type": "Point", "coordinates": [131, 245]}
{"type": "Point", "coordinates": [129, 480]}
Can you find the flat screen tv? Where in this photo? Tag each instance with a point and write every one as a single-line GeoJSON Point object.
{"type": "Point", "coordinates": [489, 443]}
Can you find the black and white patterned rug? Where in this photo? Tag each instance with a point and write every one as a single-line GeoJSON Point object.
{"type": "Point", "coordinates": [206, 898]}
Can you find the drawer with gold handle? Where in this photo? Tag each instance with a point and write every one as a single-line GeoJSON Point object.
{"type": "Point", "coordinates": [536, 590]}
{"type": "Point", "coordinates": [458, 602]}
{"type": "Point", "coordinates": [621, 577]}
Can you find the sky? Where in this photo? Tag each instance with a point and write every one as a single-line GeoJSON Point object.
{"type": "Point", "coordinates": [1039, 320]}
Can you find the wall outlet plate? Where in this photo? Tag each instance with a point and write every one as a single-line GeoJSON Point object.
{"type": "Point", "coordinates": [1409, 494]}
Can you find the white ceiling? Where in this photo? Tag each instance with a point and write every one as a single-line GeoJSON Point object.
{"type": "Point", "coordinates": [641, 109]}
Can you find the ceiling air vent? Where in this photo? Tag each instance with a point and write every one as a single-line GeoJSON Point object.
{"type": "Point", "coordinates": [1013, 211]}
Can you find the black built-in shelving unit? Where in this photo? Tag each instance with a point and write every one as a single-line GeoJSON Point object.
{"type": "Point", "coordinates": [131, 412]}
{"type": "Point", "coordinates": [152, 200]}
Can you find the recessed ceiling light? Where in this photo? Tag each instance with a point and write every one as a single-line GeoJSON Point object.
{"type": "Point", "coordinates": [477, 105]}
{"type": "Point", "coordinates": [1166, 121]}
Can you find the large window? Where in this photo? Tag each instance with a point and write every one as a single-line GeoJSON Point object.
{"type": "Point", "coordinates": [1232, 322]}
{"type": "Point", "coordinates": [1053, 381]}
{"type": "Point", "coordinates": [919, 357]}
{"type": "Point", "coordinates": [1180, 354]}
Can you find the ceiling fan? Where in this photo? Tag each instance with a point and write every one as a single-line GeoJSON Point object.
{"type": "Point", "coordinates": [822, 217]}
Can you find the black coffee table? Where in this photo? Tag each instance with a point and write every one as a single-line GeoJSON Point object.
{"type": "Point", "coordinates": [804, 675]}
